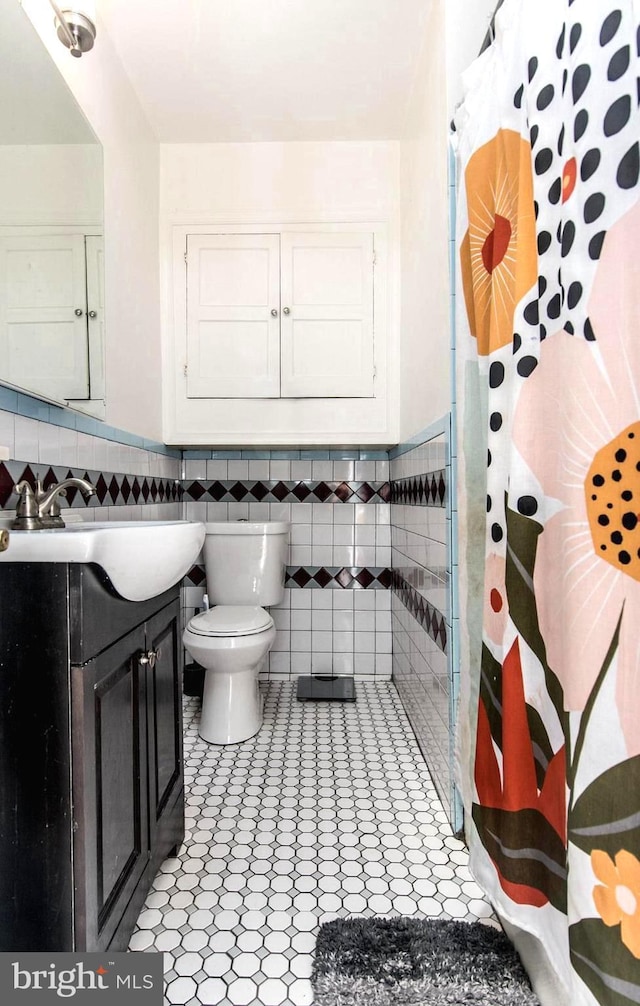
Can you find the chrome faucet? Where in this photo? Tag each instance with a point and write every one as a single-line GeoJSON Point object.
{"type": "Point", "coordinates": [39, 509]}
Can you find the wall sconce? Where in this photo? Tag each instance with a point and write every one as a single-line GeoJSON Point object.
{"type": "Point", "coordinates": [76, 30]}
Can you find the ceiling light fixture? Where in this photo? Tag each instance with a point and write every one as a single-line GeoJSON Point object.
{"type": "Point", "coordinates": [76, 30]}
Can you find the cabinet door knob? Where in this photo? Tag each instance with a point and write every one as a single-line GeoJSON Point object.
{"type": "Point", "coordinates": [274, 313]}
{"type": "Point", "coordinates": [149, 658]}
{"type": "Point", "coordinates": [78, 312]}
{"type": "Point", "coordinates": [93, 314]}
{"type": "Point", "coordinates": [286, 310]}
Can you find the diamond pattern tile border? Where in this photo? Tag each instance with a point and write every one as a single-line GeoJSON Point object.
{"type": "Point", "coordinates": [431, 620]}
{"type": "Point", "coordinates": [112, 489]}
{"type": "Point", "coordinates": [266, 491]}
{"type": "Point", "coordinates": [345, 577]}
{"type": "Point", "coordinates": [420, 490]}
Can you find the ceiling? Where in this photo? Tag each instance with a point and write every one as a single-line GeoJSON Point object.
{"type": "Point", "coordinates": [260, 70]}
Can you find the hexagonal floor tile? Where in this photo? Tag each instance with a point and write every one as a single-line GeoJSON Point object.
{"type": "Point", "coordinates": [328, 811]}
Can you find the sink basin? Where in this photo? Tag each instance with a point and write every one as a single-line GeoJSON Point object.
{"type": "Point", "coordinates": [141, 558]}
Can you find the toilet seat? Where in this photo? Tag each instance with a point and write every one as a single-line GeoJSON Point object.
{"type": "Point", "coordinates": [230, 620]}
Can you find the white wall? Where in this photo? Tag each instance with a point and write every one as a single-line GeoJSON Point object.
{"type": "Point", "coordinates": [280, 183]}
{"type": "Point", "coordinates": [99, 84]}
{"type": "Point", "coordinates": [35, 186]}
{"type": "Point", "coordinates": [424, 369]}
{"type": "Point", "coordinates": [466, 27]}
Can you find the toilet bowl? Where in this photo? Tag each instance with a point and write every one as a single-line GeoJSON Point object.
{"type": "Point", "coordinates": [245, 567]}
{"type": "Point", "coordinates": [232, 644]}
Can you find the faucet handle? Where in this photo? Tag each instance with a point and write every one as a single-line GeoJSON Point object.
{"type": "Point", "coordinates": [27, 504]}
{"type": "Point", "coordinates": [27, 515]}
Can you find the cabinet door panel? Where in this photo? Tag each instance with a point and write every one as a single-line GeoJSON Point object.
{"type": "Point", "coordinates": [164, 710]}
{"type": "Point", "coordinates": [233, 348]}
{"type": "Point", "coordinates": [43, 344]}
{"type": "Point", "coordinates": [110, 787]}
{"type": "Point", "coordinates": [327, 332]}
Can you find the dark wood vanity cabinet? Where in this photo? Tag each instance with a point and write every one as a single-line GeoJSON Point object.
{"type": "Point", "coordinates": [91, 775]}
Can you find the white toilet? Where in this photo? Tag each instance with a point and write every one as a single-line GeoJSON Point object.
{"type": "Point", "coordinates": [245, 565]}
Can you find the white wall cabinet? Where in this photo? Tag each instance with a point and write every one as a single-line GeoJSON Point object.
{"type": "Point", "coordinates": [286, 315]}
{"type": "Point", "coordinates": [278, 334]}
{"type": "Point", "coordinates": [51, 315]}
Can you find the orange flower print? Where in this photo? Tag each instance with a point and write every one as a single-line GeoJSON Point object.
{"type": "Point", "coordinates": [618, 899]}
{"type": "Point", "coordinates": [498, 255]}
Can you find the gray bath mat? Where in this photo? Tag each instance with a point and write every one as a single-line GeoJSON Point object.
{"type": "Point", "coordinates": [424, 962]}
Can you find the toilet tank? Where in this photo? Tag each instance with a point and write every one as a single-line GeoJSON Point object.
{"type": "Point", "coordinates": [245, 561]}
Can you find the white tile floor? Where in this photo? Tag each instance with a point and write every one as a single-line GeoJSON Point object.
{"type": "Point", "coordinates": [329, 811]}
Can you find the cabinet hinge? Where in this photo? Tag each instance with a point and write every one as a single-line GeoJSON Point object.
{"type": "Point", "coordinates": [184, 370]}
{"type": "Point", "coordinates": [185, 258]}
{"type": "Point", "coordinates": [374, 259]}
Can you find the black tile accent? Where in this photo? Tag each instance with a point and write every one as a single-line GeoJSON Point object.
{"type": "Point", "coordinates": [429, 489]}
{"type": "Point", "coordinates": [353, 577]}
{"type": "Point", "coordinates": [101, 489]}
{"type": "Point", "coordinates": [6, 486]}
{"type": "Point", "coordinates": [431, 620]}
{"type": "Point", "coordinates": [196, 575]}
{"type": "Point", "coordinates": [265, 491]}
{"type": "Point", "coordinates": [112, 489]}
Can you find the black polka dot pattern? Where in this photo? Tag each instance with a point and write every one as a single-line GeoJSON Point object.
{"type": "Point", "coordinates": [619, 63]}
{"type": "Point", "coordinates": [610, 26]}
{"type": "Point", "coordinates": [629, 168]}
{"type": "Point", "coordinates": [617, 115]}
{"type": "Point", "coordinates": [527, 365]}
{"type": "Point", "coordinates": [579, 82]}
{"type": "Point", "coordinates": [586, 155]}
{"type": "Point", "coordinates": [496, 374]}
{"type": "Point", "coordinates": [527, 505]}
{"type": "Point", "coordinates": [589, 164]}
{"type": "Point", "coordinates": [593, 207]}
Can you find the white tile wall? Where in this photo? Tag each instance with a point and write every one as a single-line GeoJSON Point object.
{"type": "Point", "coordinates": [328, 630]}
{"type": "Point", "coordinates": [421, 553]}
{"type": "Point", "coordinates": [318, 630]}
{"type": "Point", "coordinates": [42, 444]}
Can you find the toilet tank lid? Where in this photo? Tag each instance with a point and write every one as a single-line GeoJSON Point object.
{"type": "Point", "coordinates": [231, 620]}
{"type": "Point", "coordinates": [247, 527]}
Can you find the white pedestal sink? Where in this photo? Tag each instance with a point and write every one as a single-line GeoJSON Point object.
{"type": "Point", "coordinates": [141, 558]}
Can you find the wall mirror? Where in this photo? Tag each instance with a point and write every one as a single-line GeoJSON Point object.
{"type": "Point", "coordinates": [51, 218]}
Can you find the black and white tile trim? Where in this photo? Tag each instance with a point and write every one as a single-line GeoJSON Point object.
{"type": "Point", "coordinates": [338, 577]}
{"type": "Point", "coordinates": [432, 620]}
{"type": "Point", "coordinates": [278, 491]}
{"type": "Point", "coordinates": [420, 490]}
{"type": "Point", "coordinates": [345, 577]}
{"type": "Point", "coordinates": [112, 489]}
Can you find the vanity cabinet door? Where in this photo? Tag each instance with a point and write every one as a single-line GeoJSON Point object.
{"type": "Point", "coordinates": [164, 732]}
{"type": "Point", "coordinates": [111, 843]}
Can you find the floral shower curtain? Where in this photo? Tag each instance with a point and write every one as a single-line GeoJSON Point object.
{"type": "Point", "coordinates": [548, 373]}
